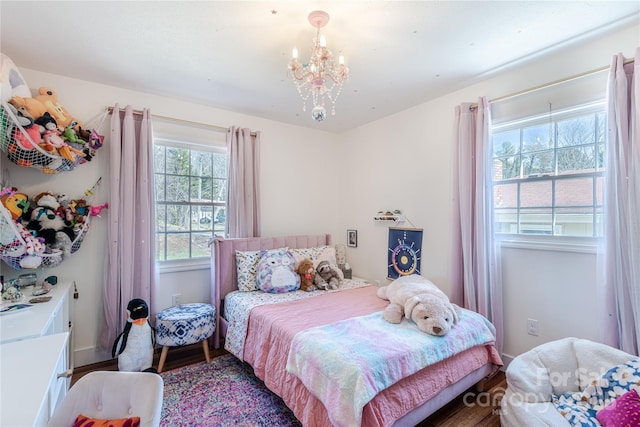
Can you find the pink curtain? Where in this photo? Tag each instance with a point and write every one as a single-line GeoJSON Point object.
{"type": "Point", "coordinates": [476, 275]}
{"type": "Point", "coordinates": [622, 206]}
{"type": "Point", "coordinates": [131, 268]}
{"type": "Point", "coordinates": [243, 191]}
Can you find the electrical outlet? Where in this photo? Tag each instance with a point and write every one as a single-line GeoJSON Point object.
{"type": "Point", "coordinates": [532, 327]}
{"type": "Point", "coordinates": [176, 299]}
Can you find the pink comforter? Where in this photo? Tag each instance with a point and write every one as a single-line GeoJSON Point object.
{"type": "Point", "coordinates": [272, 328]}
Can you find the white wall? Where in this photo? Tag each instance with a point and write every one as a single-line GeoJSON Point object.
{"type": "Point", "coordinates": [292, 193]}
{"type": "Point", "coordinates": [404, 162]}
{"type": "Point", "coordinates": [400, 162]}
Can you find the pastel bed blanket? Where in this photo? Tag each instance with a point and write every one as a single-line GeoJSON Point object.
{"type": "Point", "coordinates": [346, 363]}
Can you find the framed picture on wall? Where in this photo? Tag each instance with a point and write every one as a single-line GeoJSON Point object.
{"type": "Point", "coordinates": [352, 238]}
{"type": "Point", "coordinates": [405, 251]}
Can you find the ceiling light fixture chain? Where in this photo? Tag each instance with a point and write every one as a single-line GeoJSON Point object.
{"type": "Point", "coordinates": [320, 77]}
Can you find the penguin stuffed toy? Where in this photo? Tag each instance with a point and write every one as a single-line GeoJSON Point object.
{"type": "Point", "coordinates": [134, 346]}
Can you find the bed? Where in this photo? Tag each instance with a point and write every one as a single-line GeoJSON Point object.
{"type": "Point", "coordinates": [261, 330]}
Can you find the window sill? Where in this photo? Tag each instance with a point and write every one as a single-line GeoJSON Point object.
{"type": "Point", "coordinates": [184, 265]}
{"type": "Point", "coordinates": [553, 244]}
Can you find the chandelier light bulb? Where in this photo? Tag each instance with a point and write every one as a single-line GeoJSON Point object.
{"type": "Point", "coordinates": [294, 53]}
{"type": "Point", "coordinates": [341, 60]}
{"type": "Point", "coordinates": [323, 41]}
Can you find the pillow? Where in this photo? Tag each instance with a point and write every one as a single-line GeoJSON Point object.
{"type": "Point", "coordinates": [246, 264]}
{"type": "Point", "coordinates": [316, 254]}
{"type": "Point", "coordinates": [276, 271]}
{"type": "Point", "coordinates": [84, 421]}
{"type": "Point", "coordinates": [624, 411]}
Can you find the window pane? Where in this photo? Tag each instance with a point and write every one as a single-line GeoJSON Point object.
{"type": "Point", "coordinates": [599, 190]}
{"type": "Point", "coordinates": [506, 143]}
{"type": "Point", "coordinates": [536, 194]}
{"type": "Point", "coordinates": [200, 244]}
{"type": "Point", "coordinates": [536, 221]}
{"type": "Point", "coordinates": [201, 164]}
{"type": "Point", "coordinates": [177, 161]}
{"type": "Point", "coordinates": [506, 221]}
{"type": "Point", "coordinates": [537, 138]}
{"type": "Point", "coordinates": [574, 221]}
{"type": "Point", "coordinates": [201, 190]}
{"type": "Point", "coordinates": [537, 163]}
{"type": "Point", "coordinates": [574, 192]}
{"type": "Point", "coordinates": [161, 218]}
{"type": "Point", "coordinates": [576, 131]}
{"type": "Point", "coordinates": [178, 246]}
{"type": "Point", "coordinates": [219, 165]}
{"type": "Point", "coordinates": [506, 167]}
{"type": "Point", "coordinates": [505, 195]}
{"type": "Point", "coordinates": [177, 218]}
{"type": "Point", "coordinates": [177, 188]}
{"type": "Point", "coordinates": [158, 158]}
{"type": "Point", "coordinates": [220, 190]}
{"type": "Point", "coordinates": [576, 159]}
{"type": "Point", "coordinates": [159, 183]}
{"type": "Point", "coordinates": [160, 246]}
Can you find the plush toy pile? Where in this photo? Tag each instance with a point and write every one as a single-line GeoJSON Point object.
{"type": "Point", "coordinates": [48, 224]}
{"type": "Point", "coordinates": [38, 131]}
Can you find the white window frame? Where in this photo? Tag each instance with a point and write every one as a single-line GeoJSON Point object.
{"type": "Point", "coordinates": [196, 263]}
{"type": "Point", "coordinates": [580, 244]}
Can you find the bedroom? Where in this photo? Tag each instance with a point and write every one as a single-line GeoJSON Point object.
{"type": "Point", "coordinates": [369, 159]}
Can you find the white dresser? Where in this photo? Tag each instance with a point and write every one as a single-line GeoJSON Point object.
{"type": "Point", "coordinates": [36, 358]}
{"type": "Point", "coordinates": [32, 379]}
{"type": "Point", "coordinates": [45, 318]}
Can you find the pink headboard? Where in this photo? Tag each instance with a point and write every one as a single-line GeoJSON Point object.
{"type": "Point", "coordinates": [223, 262]}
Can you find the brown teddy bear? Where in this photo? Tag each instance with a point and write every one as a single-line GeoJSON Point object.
{"type": "Point", "coordinates": [327, 276]}
{"type": "Point", "coordinates": [49, 98]}
{"type": "Point", "coordinates": [307, 274]}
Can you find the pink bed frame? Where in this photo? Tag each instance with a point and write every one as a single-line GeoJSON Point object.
{"type": "Point", "coordinates": [223, 281]}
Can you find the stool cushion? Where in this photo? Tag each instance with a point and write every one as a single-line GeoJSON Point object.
{"type": "Point", "coordinates": [185, 324]}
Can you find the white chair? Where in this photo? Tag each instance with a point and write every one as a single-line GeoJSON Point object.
{"type": "Point", "coordinates": [112, 395]}
{"type": "Point", "coordinates": [557, 367]}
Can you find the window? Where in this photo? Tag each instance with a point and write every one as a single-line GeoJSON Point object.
{"type": "Point", "coordinates": [548, 173]}
{"type": "Point", "coordinates": [191, 188]}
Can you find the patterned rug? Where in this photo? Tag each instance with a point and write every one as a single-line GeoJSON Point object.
{"type": "Point", "coordinates": [222, 393]}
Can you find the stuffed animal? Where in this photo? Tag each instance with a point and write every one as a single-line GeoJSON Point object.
{"type": "Point", "coordinates": [327, 276]}
{"type": "Point", "coordinates": [134, 346]}
{"type": "Point", "coordinates": [16, 203]}
{"type": "Point", "coordinates": [29, 107]}
{"type": "Point", "coordinates": [49, 99]}
{"type": "Point", "coordinates": [420, 301]}
{"type": "Point", "coordinates": [47, 224]}
{"type": "Point", "coordinates": [307, 274]}
{"type": "Point", "coordinates": [11, 81]}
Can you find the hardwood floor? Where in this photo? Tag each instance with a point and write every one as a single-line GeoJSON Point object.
{"type": "Point", "coordinates": [471, 409]}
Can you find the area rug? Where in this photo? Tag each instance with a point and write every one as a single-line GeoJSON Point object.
{"type": "Point", "coordinates": [222, 393]}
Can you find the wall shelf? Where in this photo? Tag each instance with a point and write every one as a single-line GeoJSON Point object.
{"type": "Point", "coordinates": [389, 218]}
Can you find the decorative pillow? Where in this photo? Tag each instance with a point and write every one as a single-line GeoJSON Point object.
{"type": "Point", "coordinates": [276, 271]}
{"type": "Point", "coordinates": [246, 264]}
{"type": "Point", "coordinates": [581, 408]}
{"type": "Point", "coordinates": [624, 411]}
{"type": "Point", "coordinates": [316, 254]}
{"type": "Point", "coordinates": [84, 421]}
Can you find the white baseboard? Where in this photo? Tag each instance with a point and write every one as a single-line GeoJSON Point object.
{"type": "Point", "coordinates": [88, 356]}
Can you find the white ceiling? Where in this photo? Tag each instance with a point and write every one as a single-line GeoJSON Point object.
{"type": "Point", "coordinates": [233, 54]}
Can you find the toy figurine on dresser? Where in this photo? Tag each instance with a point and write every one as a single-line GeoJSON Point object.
{"type": "Point", "coordinates": [134, 346]}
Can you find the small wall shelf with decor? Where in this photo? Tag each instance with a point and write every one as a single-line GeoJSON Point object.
{"type": "Point", "coordinates": [389, 216]}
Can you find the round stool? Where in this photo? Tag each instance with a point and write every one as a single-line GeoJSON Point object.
{"type": "Point", "coordinates": [184, 325]}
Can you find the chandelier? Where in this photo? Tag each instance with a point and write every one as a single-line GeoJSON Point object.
{"type": "Point", "coordinates": [320, 77]}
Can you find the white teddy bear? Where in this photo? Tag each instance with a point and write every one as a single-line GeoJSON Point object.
{"type": "Point", "coordinates": [420, 301]}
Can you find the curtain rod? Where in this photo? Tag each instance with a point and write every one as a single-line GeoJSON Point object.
{"type": "Point", "coordinates": [173, 119]}
{"type": "Point", "coordinates": [550, 84]}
